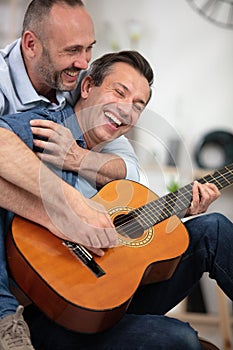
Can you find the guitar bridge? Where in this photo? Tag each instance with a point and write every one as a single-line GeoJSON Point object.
{"type": "Point", "coordinates": [85, 257]}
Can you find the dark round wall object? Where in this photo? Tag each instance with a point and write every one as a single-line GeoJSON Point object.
{"type": "Point", "coordinates": [215, 150]}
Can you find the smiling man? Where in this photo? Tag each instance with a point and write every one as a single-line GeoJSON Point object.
{"type": "Point", "coordinates": [56, 52]}
{"type": "Point", "coordinates": [56, 44]}
{"type": "Point", "coordinates": [112, 99]}
{"type": "Point", "coordinates": [121, 96]}
{"type": "Point", "coordinates": [42, 68]}
{"type": "Point", "coordinates": [113, 95]}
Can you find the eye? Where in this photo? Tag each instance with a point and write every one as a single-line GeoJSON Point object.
{"type": "Point", "coordinates": [73, 50]}
{"type": "Point", "coordinates": [89, 48]}
{"type": "Point", "coordinates": [138, 107]}
{"type": "Point", "coordinates": [120, 92]}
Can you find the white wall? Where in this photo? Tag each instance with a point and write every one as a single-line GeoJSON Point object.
{"type": "Point", "coordinates": [192, 59]}
{"type": "Point", "coordinates": [12, 12]}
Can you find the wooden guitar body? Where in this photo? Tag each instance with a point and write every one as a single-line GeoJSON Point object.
{"type": "Point", "coordinates": [68, 291]}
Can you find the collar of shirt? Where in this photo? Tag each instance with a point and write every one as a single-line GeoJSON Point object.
{"type": "Point", "coordinates": [26, 91]}
{"type": "Point", "coordinates": [70, 121]}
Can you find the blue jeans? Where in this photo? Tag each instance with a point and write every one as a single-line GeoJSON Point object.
{"type": "Point", "coordinates": [144, 326]}
{"type": "Point", "coordinates": [8, 303]}
{"type": "Point", "coordinates": [210, 250]}
{"type": "Point", "coordinates": [133, 332]}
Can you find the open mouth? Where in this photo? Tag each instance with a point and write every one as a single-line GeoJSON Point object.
{"type": "Point", "coordinates": [72, 74]}
{"type": "Point", "coordinates": [113, 119]}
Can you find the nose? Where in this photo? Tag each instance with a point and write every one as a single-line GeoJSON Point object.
{"type": "Point", "coordinates": [126, 111]}
{"type": "Point", "coordinates": [82, 60]}
{"type": "Point", "coordinates": [126, 108]}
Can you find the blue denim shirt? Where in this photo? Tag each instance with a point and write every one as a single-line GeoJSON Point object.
{"type": "Point", "coordinates": [20, 124]}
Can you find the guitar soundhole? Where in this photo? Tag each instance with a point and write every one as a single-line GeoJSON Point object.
{"type": "Point", "coordinates": [128, 226]}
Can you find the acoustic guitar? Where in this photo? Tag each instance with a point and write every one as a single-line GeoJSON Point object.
{"type": "Point", "coordinates": [87, 293]}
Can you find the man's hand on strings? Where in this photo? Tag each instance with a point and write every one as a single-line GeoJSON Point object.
{"type": "Point", "coordinates": [203, 196]}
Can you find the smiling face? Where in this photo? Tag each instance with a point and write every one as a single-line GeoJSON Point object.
{"type": "Point", "coordinates": [110, 110]}
{"type": "Point", "coordinates": [55, 58]}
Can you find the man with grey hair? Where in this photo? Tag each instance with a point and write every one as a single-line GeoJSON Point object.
{"type": "Point", "coordinates": [113, 94]}
{"type": "Point", "coordinates": [52, 65]}
{"type": "Point", "coordinates": [42, 67]}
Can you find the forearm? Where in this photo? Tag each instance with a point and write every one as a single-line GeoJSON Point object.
{"type": "Point", "coordinates": [21, 167]}
{"type": "Point", "coordinates": [23, 203]}
{"type": "Point", "coordinates": [26, 182]}
{"type": "Point", "coordinates": [20, 183]}
{"type": "Point", "coordinates": [114, 160]}
{"type": "Point", "coordinates": [15, 158]}
{"type": "Point", "coordinates": [59, 208]}
{"type": "Point", "coordinates": [117, 160]}
{"type": "Point", "coordinates": [55, 204]}
{"type": "Point", "coordinates": [99, 168]}
{"type": "Point", "coordinates": [53, 217]}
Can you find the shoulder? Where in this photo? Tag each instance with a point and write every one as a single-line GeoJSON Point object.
{"type": "Point", "coordinates": [24, 117]}
{"type": "Point", "coordinates": [5, 52]}
{"type": "Point", "coordinates": [121, 144]}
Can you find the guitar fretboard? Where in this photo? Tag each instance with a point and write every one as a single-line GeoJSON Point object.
{"type": "Point", "coordinates": [175, 202]}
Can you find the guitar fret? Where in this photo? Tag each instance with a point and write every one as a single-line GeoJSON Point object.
{"type": "Point", "coordinates": [217, 183]}
{"type": "Point", "coordinates": [221, 178]}
{"type": "Point", "coordinates": [148, 216]}
{"type": "Point", "coordinates": [211, 179]}
{"type": "Point", "coordinates": [226, 180]}
{"type": "Point", "coordinates": [164, 207]}
{"type": "Point", "coordinates": [181, 198]}
{"type": "Point", "coordinates": [143, 218]}
{"type": "Point", "coordinates": [186, 193]}
{"type": "Point", "coordinates": [163, 202]}
{"type": "Point", "coordinates": [175, 202]}
{"type": "Point", "coordinates": [170, 200]}
{"type": "Point", "coordinates": [150, 208]}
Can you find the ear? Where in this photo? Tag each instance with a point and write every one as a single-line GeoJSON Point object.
{"type": "Point", "coordinates": [30, 44]}
{"type": "Point", "coordinates": [86, 86]}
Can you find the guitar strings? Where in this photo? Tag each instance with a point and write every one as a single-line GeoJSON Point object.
{"type": "Point", "coordinates": [187, 189]}
{"type": "Point", "coordinates": [147, 219]}
{"type": "Point", "coordinates": [172, 201]}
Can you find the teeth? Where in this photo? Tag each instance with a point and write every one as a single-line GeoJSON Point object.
{"type": "Point", "coordinates": [113, 118]}
{"type": "Point", "coordinates": [72, 74]}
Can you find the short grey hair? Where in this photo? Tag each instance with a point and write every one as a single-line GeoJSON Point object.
{"type": "Point", "coordinates": [38, 11]}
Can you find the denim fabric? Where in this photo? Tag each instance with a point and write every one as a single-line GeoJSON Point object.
{"type": "Point", "coordinates": [133, 332]}
{"type": "Point", "coordinates": [144, 327]}
{"type": "Point", "coordinates": [20, 124]}
{"type": "Point", "coordinates": [210, 250]}
{"type": "Point", "coordinates": [65, 117]}
{"type": "Point", "coordinates": [8, 303]}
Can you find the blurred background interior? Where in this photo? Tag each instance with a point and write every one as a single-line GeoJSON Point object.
{"type": "Point", "coordinates": [187, 128]}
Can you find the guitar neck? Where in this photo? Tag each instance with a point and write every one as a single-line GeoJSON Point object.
{"type": "Point", "coordinates": [221, 178]}
{"type": "Point", "coordinates": [175, 202]}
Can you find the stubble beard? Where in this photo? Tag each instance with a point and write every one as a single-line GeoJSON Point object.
{"type": "Point", "coordinates": [49, 75]}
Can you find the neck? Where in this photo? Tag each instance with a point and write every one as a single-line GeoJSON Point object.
{"type": "Point", "coordinates": [41, 88]}
{"type": "Point", "coordinates": [48, 93]}
{"type": "Point", "coordinates": [83, 121]}
{"type": "Point", "coordinates": [51, 96]}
